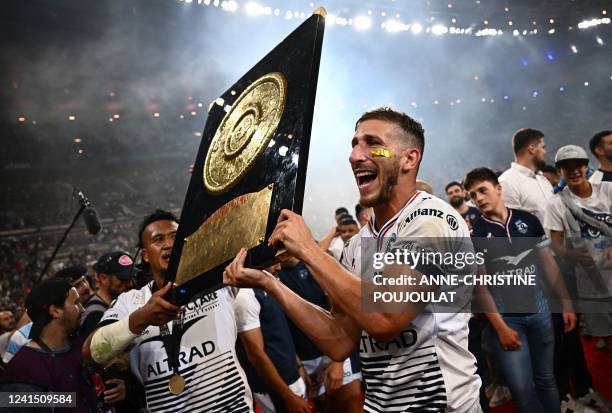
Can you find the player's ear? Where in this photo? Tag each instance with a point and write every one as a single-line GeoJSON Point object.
{"type": "Point", "coordinates": [410, 159]}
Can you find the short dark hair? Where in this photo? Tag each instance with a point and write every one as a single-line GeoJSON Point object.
{"type": "Point", "coordinates": [597, 140]}
{"type": "Point", "coordinates": [157, 215]}
{"type": "Point", "coordinates": [549, 169]}
{"type": "Point", "coordinates": [341, 211]}
{"type": "Point", "coordinates": [525, 137]}
{"type": "Point", "coordinates": [409, 125]}
{"type": "Point", "coordinates": [453, 183]}
{"type": "Point", "coordinates": [481, 174]}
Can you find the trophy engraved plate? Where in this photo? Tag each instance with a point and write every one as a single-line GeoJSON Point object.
{"type": "Point", "coordinates": [245, 132]}
{"type": "Point", "coordinates": [239, 223]}
{"type": "Point", "coordinates": [250, 165]}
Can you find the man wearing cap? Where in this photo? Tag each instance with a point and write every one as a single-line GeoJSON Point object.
{"type": "Point", "coordinates": [52, 360]}
{"type": "Point", "coordinates": [580, 223]}
{"type": "Point", "coordinates": [113, 277]}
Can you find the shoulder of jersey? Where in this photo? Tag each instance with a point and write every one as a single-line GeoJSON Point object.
{"type": "Point", "coordinates": [133, 297]}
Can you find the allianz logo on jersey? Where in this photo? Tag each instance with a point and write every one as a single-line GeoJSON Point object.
{"type": "Point", "coordinates": [451, 221]}
{"type": "Point", "coordinates": [405, 339]}
{"type": "Point", "coordinates": [185, 358]}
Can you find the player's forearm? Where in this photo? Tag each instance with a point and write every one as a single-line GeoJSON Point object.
{"type": "Point", "coordinates": [320, 325]}
{"type": "Point", "coordinates": [110, 340]}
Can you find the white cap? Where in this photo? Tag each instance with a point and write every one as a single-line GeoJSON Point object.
{"type": "Point", "coordinates": [565, 153]}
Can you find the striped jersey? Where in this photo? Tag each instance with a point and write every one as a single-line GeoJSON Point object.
{"type": "Point", "coordinates": [427, 367]}
{"type": "Point", "coordinates": [215, 381]}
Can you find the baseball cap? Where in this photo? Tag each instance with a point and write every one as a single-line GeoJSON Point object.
{"type": "Point", "coordinates": [72, 273]}
{"type": "Point", "coordinates": [570, 152]}
{"type": "Point", "coordinates": [117, 263]}
{"type": "Point", "coordinates": [52, 291]}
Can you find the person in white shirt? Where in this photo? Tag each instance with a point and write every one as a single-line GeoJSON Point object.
{"type": "Point", "coordinates": [185, 357]}
{"type": "Point", "coordinates": [332, 242]}
{"type": "Point", "coordinates": [415, 359]}
{"type": "Point", "coordinates": [580, 222]}
{"type": "Point", "coordinates": [524, 185]}
{"type": "Point", "coordinates": [601, 147]}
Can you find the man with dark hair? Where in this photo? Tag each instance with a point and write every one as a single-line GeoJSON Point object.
{"type": "Point", "coordinates": [524, 185]}
{"type": "Point", "coordinates": [113, 277]}
{"type": "Point", "coordinates": [332, 243]}
{"type": "Point", "coordinates": [347, 228]}
{"type": "Point", "coordinates": [455, 193]}
{"type": "Point", "coordinates": [394, 347]}
{"type": "Point", "coordinates": [339, 212]}
{"type": "Point", "coordinates": [519, 316]}
{"type": "Point", "coordinates": [580, 223]}
{"type": "Point", "coordinates": [52, 360]}
{"type": "Point", "coordinates": [601, 146]}
{"type": "Point", "coordinates": [184, 356]}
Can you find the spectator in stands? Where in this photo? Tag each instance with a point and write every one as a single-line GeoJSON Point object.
{"type": "Point", "coordinates": [456, 196]}
{"type": "Point", "coordinates": [113, 277]}
{"type": "Point", "coordinates": [524, 185]}
{"type": "Point", "coordinates": [76, 275]}
{"type": "Point", "coordinates": [362, 214]}
{"type": "Point", "coordinates": [337, 383]}
{"type": "Point", "coordinates": [52, 360]}
{"type": "Point", "coordinates": [601, 146]}
{"type": "Point", "coordinates": [271, 363]}
{"type": "Point", "coordinates": [520, 316]}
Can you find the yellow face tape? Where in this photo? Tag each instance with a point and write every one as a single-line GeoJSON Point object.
{"type": "Point", "coordinates": [381, 152]}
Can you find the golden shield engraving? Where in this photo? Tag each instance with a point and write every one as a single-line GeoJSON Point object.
{"type": "Point", "coordinates": [245, 133]}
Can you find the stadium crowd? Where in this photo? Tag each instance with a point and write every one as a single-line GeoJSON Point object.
{"type": "Point", "coordinates": [293, 338]}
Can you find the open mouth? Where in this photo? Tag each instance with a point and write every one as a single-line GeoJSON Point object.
{"type": "Point", "coordinates": [166, 256]}
{"type": "Point", "coordinates": [365, 178]}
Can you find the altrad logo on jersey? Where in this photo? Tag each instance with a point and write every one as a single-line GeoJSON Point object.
{"type": "Point", "coordinates": [185, 358]}
{"type": "Point", "coordinates": [405, 339]}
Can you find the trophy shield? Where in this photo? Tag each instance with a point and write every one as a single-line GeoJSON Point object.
{"type": "Point", "coordinates": [250, 165]}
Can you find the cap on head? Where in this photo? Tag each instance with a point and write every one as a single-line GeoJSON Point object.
{"type": "Point", "coordinates": [117, 263]}
{"type": "Point", "coordinates": [52, 291]}
{"type": "Point", "coordinates": [571, 152]}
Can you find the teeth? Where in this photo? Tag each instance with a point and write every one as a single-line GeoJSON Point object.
{"type": "Point", "coordinates": [364, 173]}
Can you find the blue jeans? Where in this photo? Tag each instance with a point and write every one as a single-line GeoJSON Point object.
{"type": "Point", "coordinates": [529, 371]}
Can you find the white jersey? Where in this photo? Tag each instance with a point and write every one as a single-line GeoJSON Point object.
{"type": "Point", "coordinates": [598, 206]}
{"type": "Point", "coordinates": [428, 366]}
{"type": "Point", "coordinates": [214, 378]}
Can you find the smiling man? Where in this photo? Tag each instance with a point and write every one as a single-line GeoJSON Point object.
{"type": "Point", "coordinates": [414, 359]}
{"type": "Point", "coordinates": [184, 357]}
{"type": "Point", "coordinates": [580, 222]}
